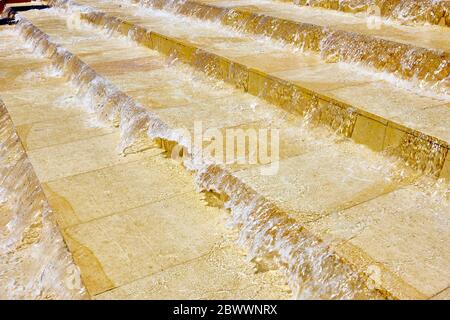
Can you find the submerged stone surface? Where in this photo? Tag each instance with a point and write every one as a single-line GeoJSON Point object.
{"type": "Point", "coordinates": [335, 220]}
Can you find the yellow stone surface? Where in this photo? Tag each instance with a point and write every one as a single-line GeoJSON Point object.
{"type": "Point", "coordinates": [427, 115]}
{"type": "Point", "coordinates": [409, 238]}
{"type": "Point", "coordinates": [56, 103]}
{"type": "Point", "coordinates": [93, 54]}
{"type": "Point", "coordinates": [69, 159]}
{"type": "Point", "coordinates": [235, 47]}
{"type": "Point", "coordinates": [278, 61]}
{"type": "Point", "coordinates": [317, 183]}
{"type": "Point", "coordinates": [324, 77]}
{"type": "Point", "coordinates": [113, 189]}
{"type": "Point", "coordinates": [393, 137]}
{"type": "Point", "coordinates": [369, 132]}
{"type": "Point", "coordinates": [138, 229]}
{"type": "Point", "coordinates": [219, 274]}
{"type": "Point", "coordinates": [444, 295]}
{"type": "Point", "coordinates": [445, 173]}
{"type": "Point", "coordinates": [140, 242]}
{"type": "Point", "coordinates": [124, 66]}
{"type": "Point", "coordinates": [233, 134]}
{"type": "Point", "coordinates": [221, 112]}
{"type": "Point", "coordinates": [43, 134]}
{"type": "Point", "coordinates": [150, 80]}
{"type": "Point", "coordinates": [171, 96]}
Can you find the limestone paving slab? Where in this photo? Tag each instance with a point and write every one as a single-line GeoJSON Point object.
{"type": "Point", "coordinates": [405, 230]}
{"type": "Point", "coordinates": [146, 240]}
{"type": "Point", "coordinates": [56, 103]}
{"type": "Point", "coordinates": [42, 134]}
{"type": "Point", "coordinates": [427, 115]}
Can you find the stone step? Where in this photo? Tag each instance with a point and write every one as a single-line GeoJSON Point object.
{"type": "Point", "coordinates": [26, 228]}
{"type": "Point", "coordinates": [419, 52]}
{"type": "Point", "coordinates": [294, 210]}
{"type": "Point", "coordinates": [404, 11]}
{"type": "Point", "coordinates": [371, 112]}
{"type": "Point", "coordinates": [126, 220]}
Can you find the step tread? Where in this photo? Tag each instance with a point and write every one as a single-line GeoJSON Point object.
{"type": "Point", "coordinates": [375, 224]}
{"type": "Point", "coordinates": [411, 12]}
{"type": "Point", "coordinates": [422, 36]}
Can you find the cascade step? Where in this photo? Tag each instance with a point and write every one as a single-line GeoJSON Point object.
{"type": "Point", "coordinates": [405, 11]}
{"type": "Point", "coordinates": [420, 52]}
{"type": "Point", "coordinates": [297, 201]}
{"type": "Point", "coordinates": [375, 112]}
{"type": "Point", "coordinates": [112, 210]}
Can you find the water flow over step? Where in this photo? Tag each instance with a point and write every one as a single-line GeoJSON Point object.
{"type": "Point", "coordinates": [312, 270]}
{"type": "Point", "coordinates": [420, 152]}
{"type": "Point", "coordinates": [408, 67]}
{"type": "Point", "coordinates": [34, 261]}
{"type": "Point", "coordinates": [274, 238]}
{"type": "Point", "coordinates": [407, 11]}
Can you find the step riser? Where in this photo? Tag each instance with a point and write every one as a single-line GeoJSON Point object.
{"type": "Point", "coordinates": [247, 206]}
{"type": "Point", "coordinates": [405, 61]}
{"type": "Point", "coordinates": [409, 11]}
{"type": "Point", "coordinates": [422, 152]}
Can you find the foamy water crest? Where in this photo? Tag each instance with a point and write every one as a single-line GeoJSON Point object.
{"type": "Point", "coordinates": [312, 271]}
{"type": "Point", "coordinates": [34, 261]}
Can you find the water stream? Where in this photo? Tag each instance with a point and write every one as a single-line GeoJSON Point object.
{"type": "Point", "coordinates": [273, 238]}
{"type": "Point", "coordinates": [413, 69]}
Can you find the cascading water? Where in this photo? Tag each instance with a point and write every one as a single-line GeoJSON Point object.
{"type": "Point", "coordinates": [34, 261]}
{"type": "Point", "coordinates": [274, 239]}
{"type": "Point", "coordinates": [411, 68]}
